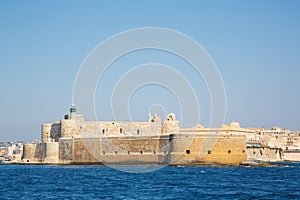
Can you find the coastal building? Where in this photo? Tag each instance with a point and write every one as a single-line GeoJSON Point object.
{"type": "Point", "coordinates": [73, 140]}
{"type": "Point", "coordinates": [273, 145]}
{"type": "Point", "coordinates": [11, 151]}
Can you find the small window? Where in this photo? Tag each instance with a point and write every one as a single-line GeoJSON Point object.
{"type": "Point", "coordinates": [229, 151]}
{"type": "Point", "coordinates": [121, 130]}
{"type": "Point", "coordinates": [154, 152]}
{"type": "Point", "coordinates": [141, 152]}
{"type": "Point", "coordinates": [253, 152]}
{"type": "Point", "coordinates": [138, 131]}
{"type": "Point", "coordinates": [165, 152]}
{"type": "Point", "coordinates": [209, 152]}
{"type": "Point", "coordinates": [152, 120]}
{"type": "Point", "coordinates": [116, 152]}
{"type": "Point", "coordinates": [103, 152]}
{"type": "Point", "coordinates": [243, 151]}
{"type": "Point", "coordinates": [103, 131]}
{"type": "Point", "coordinates": [128, 152]}
{"type": "Point", "coordinates": [188, 152]}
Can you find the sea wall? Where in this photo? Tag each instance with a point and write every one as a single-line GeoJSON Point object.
{"type": "Point", "coordinates": [208, 148]}
{"type": "Point", "coordinates": [28, 152]}
{"type": "Point", "coordinates": [291, 155]}
{"type": "Point", "coordinates": [41, 153]}
{"type": "Point", "coordinates": [51, 152]}
{"type": "Point", "coordinates": [115, 150]}
{"type": "Point", "coordinates": [187, 148]}
{"type": "Point", "coordinates": [264, 154]}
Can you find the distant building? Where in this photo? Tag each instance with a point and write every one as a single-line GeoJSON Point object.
{"type": "Point", "coordinates": [73, 140]}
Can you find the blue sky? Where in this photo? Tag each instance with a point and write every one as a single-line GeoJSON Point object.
{"type": "Point", "coordinates": [255, 45]}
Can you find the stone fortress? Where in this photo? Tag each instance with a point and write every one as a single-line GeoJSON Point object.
{"type": "Point", "coordinates": [73, 140]}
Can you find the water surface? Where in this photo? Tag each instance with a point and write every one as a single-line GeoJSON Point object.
{"type": "Point", "coordinates": [101, 182]}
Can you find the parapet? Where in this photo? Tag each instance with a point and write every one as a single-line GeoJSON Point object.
{"type": "Point", "coordinates": [74, 117]}
{"type": "Point", "coordinates": [170, 125]}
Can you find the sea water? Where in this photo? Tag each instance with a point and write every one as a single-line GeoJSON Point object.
{"type": "Point", "coordinates": [102, 182]}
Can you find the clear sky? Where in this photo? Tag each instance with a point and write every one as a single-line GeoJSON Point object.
{"type": "Point", "coordinates": [255, 45]}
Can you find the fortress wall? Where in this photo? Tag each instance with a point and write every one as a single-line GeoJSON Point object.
{"type": "Point", "coordinates": [51, 152]}
{"type": "Point", "coordinates": [55, 132]}
{"type": "Point", "coordinates": [291, 156]}
{"type": "Point", "coordinates": [51, 149]}
{"type": "Point", "coordinates": [69, 128]}
{"type": "Point", "coordinates": [39, 152]}
{"type": "Point", "coordinates": [120, 150]}
{"type": "Point", "coordinates": [228, 150]}
{"type": "Point", "coordinates": [174, 149]}
{"type": "Point", "coordinates": [97, 129]}
{"type": "Point", "coordinates": [46, 129]}
{"type": "Point", "coordinates": [65, 150]}
{"type": "Point", "coordinates": [264, 154]}
{"type": "Point", "coordinates": [184, 148]}
{"type": "Point", "coordinates": [83, 129]}
{"type": "Point", "coordinates": [28, 152]}
{"type": "Point", "coordinates": [210, 147]}
{"type": "Point", "coordinates": [150, 128]}
{"type": "Point", "coordinates": [86, 150]}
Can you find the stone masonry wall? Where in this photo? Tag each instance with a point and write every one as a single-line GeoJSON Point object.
{"type": "Point", "coordinates": [208, 147]}
{"type": "Point", "coordinates": [165, 149]}
{"type": "Point", "coordinates": [84, 129]}
{"type": "Point", "coordinates": [65, 150]}
{"type": "Point", "coordinates": [264, 154]}
{"type": "Point", "coordinates": [121, 150]}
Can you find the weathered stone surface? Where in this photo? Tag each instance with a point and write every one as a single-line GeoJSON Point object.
{"type": "Point", "coordinates": [264, 154]}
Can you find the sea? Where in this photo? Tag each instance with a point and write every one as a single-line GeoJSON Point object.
{"type": "Point", "coordinates": [176, 182]}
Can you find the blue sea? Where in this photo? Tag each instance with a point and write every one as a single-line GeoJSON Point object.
{"type": "Point", "coordinates": [102, 182]}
